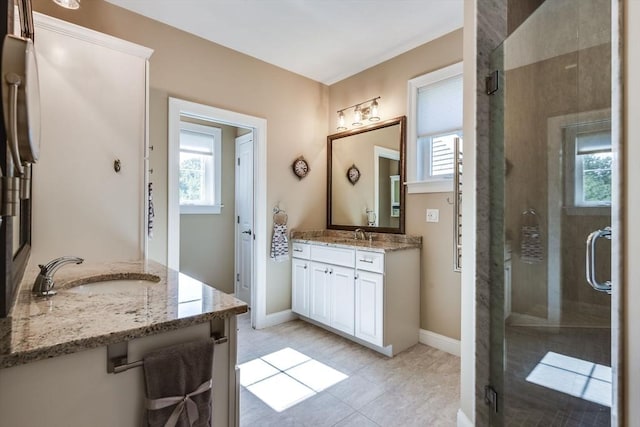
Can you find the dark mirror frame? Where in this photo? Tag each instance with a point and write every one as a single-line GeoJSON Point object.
{"type": "Point", "coordinates": [11, 267]}
{"type": "Point", "coordinates": [402, 121]}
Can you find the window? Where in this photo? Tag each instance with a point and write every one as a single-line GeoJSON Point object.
{"type": "Point", "coordinates": [200, 169]}
{"type": "Point", "coordinates": [588, 165]}
{"type": "Point", "coordinates": [435, 121]}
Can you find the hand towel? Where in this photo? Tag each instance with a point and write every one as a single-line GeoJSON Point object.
{"type": "Point", "coordinates": [279, 243]}
{"type": "Point", "coordinates": [530, 244]}
{"type": "Point", "coordinates": [178, 382]}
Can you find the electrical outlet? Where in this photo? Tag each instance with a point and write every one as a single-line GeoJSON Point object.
{"type": "Point", "coordinates": [433, 215]}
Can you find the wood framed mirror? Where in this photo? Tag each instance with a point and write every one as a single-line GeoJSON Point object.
{"type": "Point", "coordinates": [376, 201]}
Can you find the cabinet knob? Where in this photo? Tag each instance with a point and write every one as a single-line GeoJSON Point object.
{"type": "Point", "coordinates": [326, 270]}
{"type": "Point", "coordinates": [331, 271]}
{"type": "Point", "coordinates": [357, 276]}
{"type": "Point", "coordinates": [305, 266]}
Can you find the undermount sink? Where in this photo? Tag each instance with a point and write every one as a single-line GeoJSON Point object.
{"type": "Point", "coordinates": [114, 286]}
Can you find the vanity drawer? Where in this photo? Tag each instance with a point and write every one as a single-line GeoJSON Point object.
{"type": "Point", "coordinates": [370, 261]}
{"type": "Point", "coordinates": [336, 256]}
{"type": "Point", "coordinates": [300, 250]}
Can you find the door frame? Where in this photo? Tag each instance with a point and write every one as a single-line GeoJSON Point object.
{"type": "Point", "coordinates": [236, 225]}
{"type": "Point", "coordinates": [178, 107]}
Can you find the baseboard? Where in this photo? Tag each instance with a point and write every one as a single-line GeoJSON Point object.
{"type": "Point", "coordinates": [278, 318]}
{"type": "Point", "coordinates": [440, 342]}
{"type": "Point", "coordinates": [463, 420]}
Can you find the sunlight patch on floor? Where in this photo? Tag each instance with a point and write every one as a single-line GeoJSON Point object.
{"type": "Point", "coordinates": [287, 377]}
{"type": "Point", "coordinates": [576, 377]}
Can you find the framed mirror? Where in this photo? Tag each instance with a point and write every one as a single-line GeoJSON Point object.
{"type": "Point", "coordinates": [375, 201]}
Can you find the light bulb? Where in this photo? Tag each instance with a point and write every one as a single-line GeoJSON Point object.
{"type": "Point", "coordinates": [357, 116]}
{"type": "Point", "coordinates": [341, 124]}
{"type": "Point", "coordinates": [374, 116]}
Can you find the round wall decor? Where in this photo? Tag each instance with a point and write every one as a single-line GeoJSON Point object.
{"type": "Point", "coordinates": [353, 174]}
{"type": "Point", "coordinates": [300, 167]}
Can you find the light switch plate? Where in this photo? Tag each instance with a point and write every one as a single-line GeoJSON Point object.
{"type": "Point", "coordinates": [433, 215]}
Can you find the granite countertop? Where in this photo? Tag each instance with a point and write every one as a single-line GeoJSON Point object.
{"type": "Point", "coordinates": [76, 319]}
{"type": "Point", "coordinates": [380, 242]}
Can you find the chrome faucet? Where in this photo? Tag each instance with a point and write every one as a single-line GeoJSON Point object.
{"type": "Point", "coordinates": [43, 286]}
{"type": "Point", "coordinates": [359, 232]}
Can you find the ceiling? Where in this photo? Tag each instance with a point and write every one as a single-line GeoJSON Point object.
{"type": "Point", "coordinates": [324, 40]}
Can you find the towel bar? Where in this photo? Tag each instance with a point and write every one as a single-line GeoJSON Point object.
{"type": "Point", "coordinates": [117, 356]}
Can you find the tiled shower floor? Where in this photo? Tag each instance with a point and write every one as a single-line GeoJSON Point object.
{"type": "Point", "coordinates": [310, 377]}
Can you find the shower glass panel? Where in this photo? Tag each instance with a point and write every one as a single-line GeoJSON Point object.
{"type": "Point", "coordinates": [551, 168]}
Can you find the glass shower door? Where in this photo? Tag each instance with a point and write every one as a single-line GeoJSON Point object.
{"type": "Point", "coordinates": [551, 165]}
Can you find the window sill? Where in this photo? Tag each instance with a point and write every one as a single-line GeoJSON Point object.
{"type": "Point", "coordinates": [200, 209]}
{"type": "Point", "coordinates": [439, 186]}
{"type": "Point", "coordinates": [588, 210]}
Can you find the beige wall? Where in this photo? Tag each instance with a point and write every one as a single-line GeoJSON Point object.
{"type": "Point", "coordinates": [631, 291]}
{"type": "Point", "coordinates": [188, 67]}
{"type": "Point", "coordinates": [207, 243]}
{"type": "Point", "coordinates": [440, 288]}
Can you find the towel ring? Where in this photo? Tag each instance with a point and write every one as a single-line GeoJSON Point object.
{"type": "Point", "coordinates": [280, 216]}
{"type": "Point", "coordinates": [530, 217]}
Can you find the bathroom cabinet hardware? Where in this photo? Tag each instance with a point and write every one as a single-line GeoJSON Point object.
{"type": "Point", "coordinates": [368, 261]}
{"type": "Point", "coordinates": [297, 250]}
{"type": "Point", "coordinates": [305, 266]}
{"type": "Point", "coordinates": [117, 355]}
{"type": "Point", "coordinates": [117, 165]}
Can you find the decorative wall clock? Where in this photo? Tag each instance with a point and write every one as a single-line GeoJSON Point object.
{"type": "Point", "coordinates": [353, 174]}
{"type": "Point", "coordinates": [300, 167]}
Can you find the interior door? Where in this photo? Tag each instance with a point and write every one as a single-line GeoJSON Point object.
{"type": "Point", "coordinates": [552, 166]}
{"type": "Point", "coordinates": [244, 218]}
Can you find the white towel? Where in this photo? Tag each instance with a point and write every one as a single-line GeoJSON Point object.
{"type": "Point", "coordinates": [279, 243]}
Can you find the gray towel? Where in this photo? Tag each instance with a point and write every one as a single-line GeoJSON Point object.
{"type": "Point", "coordinates": [178, 381]}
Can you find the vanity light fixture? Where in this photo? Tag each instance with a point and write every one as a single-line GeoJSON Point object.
{"type": "Point", "coordinates": [341, 123]}
{"type": "Point", "coordinates": [68, 4]}
{"type": "Point", "coordinates": [357, 116]}
{"type": "Point", "coordinates": [361, 112]}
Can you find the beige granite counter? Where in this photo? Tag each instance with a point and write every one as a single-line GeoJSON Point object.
{"type": "Point", "coordinates": [71, 321]}
{"type": "Point", "coordinates": [380, 242]}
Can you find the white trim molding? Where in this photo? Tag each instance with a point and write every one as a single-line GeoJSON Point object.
{"type": "Point", "coordinates": [440, 342]}
{"type": "Point", "coordinates": [463, 420]}
{"type": "Point", "coordinates": [274, 319]}
{"type": "Point", "coordinates": [414, 186]}
{"type": "Point", "coordinates": [178, 107]}
{"type": "Point", "coordinates": [85, 34]}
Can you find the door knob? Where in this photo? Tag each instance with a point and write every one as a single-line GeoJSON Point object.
{"type": "Point", "coordinates": [247, 232]}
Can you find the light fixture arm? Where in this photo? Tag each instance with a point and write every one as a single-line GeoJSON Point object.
{"type": "Point", "coordinates": [361, 111]}
{"type": "Point", "coordinates": [359, 104]}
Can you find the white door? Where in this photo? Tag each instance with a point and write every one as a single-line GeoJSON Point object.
{"type": "Point", "coordinates": [244, 217]}
{"type": "Point", "coordinates": [342, 299]}
{"type": "Point", "coordinates": [320, 293]}
{"type": "Point", "coordinates": [300, 288]}
{"type": "Point", "coordinates": [369, 307]}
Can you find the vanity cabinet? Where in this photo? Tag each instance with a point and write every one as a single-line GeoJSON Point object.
{"type": "Point", "coordinates": [300, 273]}
{"type": "Point", "coordinates": [368, 296]}
{"type": "Point", "coordinates": [369, 307]}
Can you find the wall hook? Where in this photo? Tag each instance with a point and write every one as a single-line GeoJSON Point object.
{"type": "Point", "coordinates": [117, 165]}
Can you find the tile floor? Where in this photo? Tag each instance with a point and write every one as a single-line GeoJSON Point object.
{"type": "Point", "coordinates": [323, 379]}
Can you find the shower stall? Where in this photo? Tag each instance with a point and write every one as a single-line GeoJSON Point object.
{"type": "Point", "coordinates": [552, 165]}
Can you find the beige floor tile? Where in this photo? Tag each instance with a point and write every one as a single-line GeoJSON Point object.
{"type": "Point", "coordinates": [356, 420]}
{"type": "Point", "coordinates": [418, 387]}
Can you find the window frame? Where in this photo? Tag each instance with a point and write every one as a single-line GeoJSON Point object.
{"type": "Point", "coordinates": [571, 169]}
{"type": "Point", "coordinates": [435, 184]}
{"type": "Point", "coordinates": [216, 176]}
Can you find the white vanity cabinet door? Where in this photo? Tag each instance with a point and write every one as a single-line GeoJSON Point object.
{"type": "Point", "coordinates": [300, 288]}
{"type": "Point", "coordinates": [342, 299]}
{"type": "Point", "coordinates": [369, 307]}
{"type": "Point", "coordinates": [320, 293]}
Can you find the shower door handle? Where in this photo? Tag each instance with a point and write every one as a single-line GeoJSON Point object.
{"type": "Point", "coordinates": [591, 260]}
